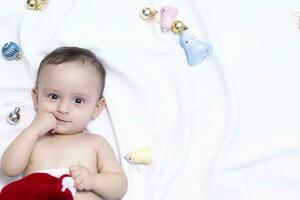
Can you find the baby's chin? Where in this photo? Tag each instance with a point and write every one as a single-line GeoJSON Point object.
{"type": "Point", "coordinates": [63, 132]}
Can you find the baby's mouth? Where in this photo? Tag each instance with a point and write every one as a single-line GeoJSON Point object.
{"type": "Point", "coordinates": [62, 120]}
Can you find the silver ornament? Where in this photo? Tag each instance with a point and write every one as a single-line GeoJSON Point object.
{"type": "Point", "coordinates": [14, 116]}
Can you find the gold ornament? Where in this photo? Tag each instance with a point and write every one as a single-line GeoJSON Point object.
{"type": "Point", "coordinates": [148, 14]}
{"type": "Point", "coordinates": [36, 4]}
{"type": "Point", "coordinates": [140, 156]}
{"type": "Point", "coordinates": [178, 27]}
{"type": "Point", "coordinates": [31, 4]}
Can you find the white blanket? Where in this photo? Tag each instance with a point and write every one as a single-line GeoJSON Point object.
{"type": "Point", "coordinates": [211, 139]}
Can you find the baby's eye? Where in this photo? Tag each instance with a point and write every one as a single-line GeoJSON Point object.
{"type": "Point", "coordinates": [79, 100]}
{"type": "Point", "coordinates": [53, 96]}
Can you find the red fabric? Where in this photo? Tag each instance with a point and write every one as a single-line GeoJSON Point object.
{"type": "Point", "coordinates": [37, 186]}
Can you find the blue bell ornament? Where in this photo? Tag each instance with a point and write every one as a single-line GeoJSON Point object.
{"type": "Point", "coordinates": [195, 50]}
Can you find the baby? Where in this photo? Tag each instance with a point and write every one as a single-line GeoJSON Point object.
{"type": "Point", "coordinates": [68, 94]}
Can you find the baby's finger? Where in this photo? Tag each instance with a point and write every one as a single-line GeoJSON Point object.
{"type": "Point", "coordinates": [80, 188]}
{"type": "Point", "coordinates": [54, 129]}
{"type": "Point", "coordinates": [75, 173]}
{"type": "Point", "coordinates": [75, 167]}
{"type": "Point", "coordinates": [78, 180]}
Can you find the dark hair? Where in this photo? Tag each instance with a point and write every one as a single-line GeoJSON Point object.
{"type": "Point", "coordinates": [73, 54]}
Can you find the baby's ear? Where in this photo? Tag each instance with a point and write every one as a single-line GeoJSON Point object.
{"type": "Point", "coordinates": [34, 98]}
{"type": "Point", "coordinates": [99, 107]}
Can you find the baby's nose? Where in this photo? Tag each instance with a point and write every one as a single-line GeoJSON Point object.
{"type": "Point", "coordinates": [63, 107]}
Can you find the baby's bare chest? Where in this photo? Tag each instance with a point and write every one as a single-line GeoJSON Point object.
{"type": "Point", "coordinates": [62, 154]}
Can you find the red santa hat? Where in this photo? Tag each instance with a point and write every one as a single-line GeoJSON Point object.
{"type": "Point", "coordinates": [39, 186]}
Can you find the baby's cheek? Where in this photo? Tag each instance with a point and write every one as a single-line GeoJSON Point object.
{"type": "Point", "coordinates": [46, 107]}
{"type": "Point", "coordinates": [82, 118]}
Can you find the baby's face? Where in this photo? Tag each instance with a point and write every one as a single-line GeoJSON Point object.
{"type": "Point", "coordinates": [71, 93]}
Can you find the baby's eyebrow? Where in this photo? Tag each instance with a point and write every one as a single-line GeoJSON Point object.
{"type": "Point", "coordinates": [82, 95]}
{"type": "Point", "coordinates": [50, 90]}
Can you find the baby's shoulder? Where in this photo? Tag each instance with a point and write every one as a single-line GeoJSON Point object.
{"type": "Point", "coordinates": [98, 141]}
{"type": "Point", "coordinates": [94, 138]}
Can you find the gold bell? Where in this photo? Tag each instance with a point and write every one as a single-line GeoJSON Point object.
{"type": "Point", "coordinates": [178, 27]}
{"type": "Point", "coordinates": [140, 156]}
{"type": "Point", "coordinates": [36, 4]}
{"type": "Point", "coordinates": [148, 14]}
{"type": "Point", "coordinates": [31, 4]}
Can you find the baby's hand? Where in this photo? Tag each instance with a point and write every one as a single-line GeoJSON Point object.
{"type": "Point", "coordinates": [83, 178]}
{"type": "Point", "coordinates": [43, 123]}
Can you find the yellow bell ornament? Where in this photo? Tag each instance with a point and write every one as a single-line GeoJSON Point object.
{"type": "Point", "coordinates": [140, 156]}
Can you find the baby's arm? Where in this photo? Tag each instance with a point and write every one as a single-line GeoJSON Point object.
{"type": "Point", "coordinates": [16, 157]}
{"type": "Point", "coordinates": [110, 182]}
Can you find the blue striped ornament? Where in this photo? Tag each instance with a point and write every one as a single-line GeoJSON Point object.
{"type": "Point", "coordinates": [11, 51]}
